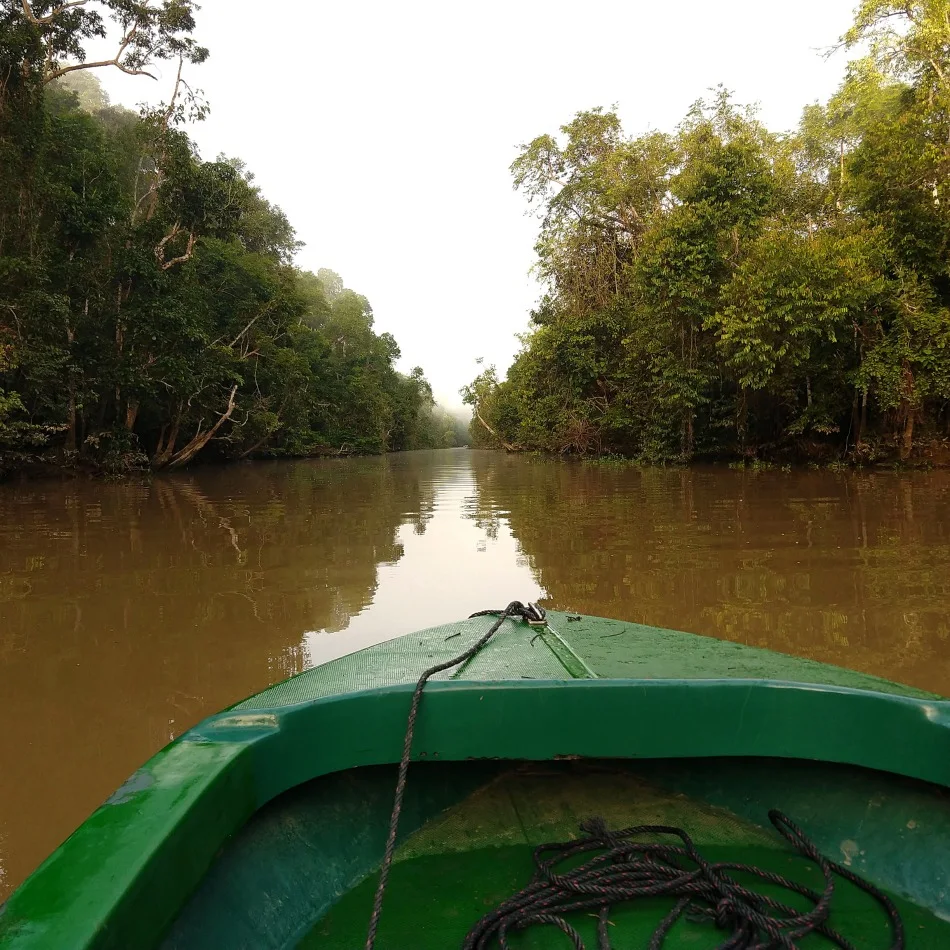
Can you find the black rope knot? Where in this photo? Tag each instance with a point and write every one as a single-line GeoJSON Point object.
{"type": "Point", "coordinates": [533, 614]}
{"type": "Point", "coordinates": [595, 828]}
{"type": "Point", "coordinates": [726, 914]}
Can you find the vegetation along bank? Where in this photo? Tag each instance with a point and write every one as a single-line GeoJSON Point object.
{"type": "Point", "coordinates": [150, 309]}
{"type": "Point", "coordinates": [725, 291]}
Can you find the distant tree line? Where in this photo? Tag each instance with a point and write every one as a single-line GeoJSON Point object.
{"type": "Point", "coordinates": [150, 309]}
{"type": "Point", "coordinates": [728, 291]}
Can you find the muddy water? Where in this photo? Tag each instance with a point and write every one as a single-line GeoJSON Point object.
{"type": "Point", "coordinates": [129, 611]}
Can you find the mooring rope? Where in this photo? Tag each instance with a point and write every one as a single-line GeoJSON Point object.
{"type": "Point", "coordinates": [532, 614]}
{"type": "Point", "coordinates": [624, 869]}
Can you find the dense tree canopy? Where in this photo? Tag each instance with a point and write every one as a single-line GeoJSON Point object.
{"type": "Point", "coordinates": [150, 309]}
{"type": "Point", "coordinates": [727, 291]}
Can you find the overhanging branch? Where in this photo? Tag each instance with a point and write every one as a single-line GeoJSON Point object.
{"type": "Point", "coordinates": [55, 12]}
{"type": "Point", "coordinates": [115, 61]}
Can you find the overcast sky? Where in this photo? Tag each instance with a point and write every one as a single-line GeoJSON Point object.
{"type": "Point", "coordinates": [385, 129]}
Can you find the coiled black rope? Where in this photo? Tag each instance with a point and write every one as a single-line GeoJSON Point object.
{"type": "Point", "coordinates": [624, 869]}
{"type": "Point", "coordinates": [531, 613]}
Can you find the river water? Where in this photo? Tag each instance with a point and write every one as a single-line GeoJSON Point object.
{"type": "Point", "coordinates": [131, 610]}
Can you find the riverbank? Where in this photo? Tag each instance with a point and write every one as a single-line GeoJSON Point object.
{"type": "Point", "coordinates": [74, 465]}
{"type": "Point", "coordinates": [928, 455]}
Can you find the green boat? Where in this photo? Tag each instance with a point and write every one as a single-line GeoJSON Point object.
{"type": "Point", "coordinates": [265, 826]}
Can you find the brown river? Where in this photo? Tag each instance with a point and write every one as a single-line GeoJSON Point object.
{"type": "Point", "coordinates": [131, 610]}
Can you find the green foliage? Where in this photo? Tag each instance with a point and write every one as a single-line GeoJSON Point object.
{"type": "Point", "coordinates": [908, 364]}
{"type": "Point", "coordinates": [149, 305]}
{"type": "Point", "coordinates": [724, 291]}
{"type": "Point", "coordinates": [787, 314]}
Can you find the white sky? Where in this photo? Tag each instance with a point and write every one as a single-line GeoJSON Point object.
{"type": "Point", "coordinates": [385, 129]}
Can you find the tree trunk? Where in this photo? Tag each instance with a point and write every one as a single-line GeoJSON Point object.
{"type": "Point", "coordinates": [131, 414]}
{"type": "Point", "coordinates": [742, 418]}
{"type": "Point", "coordinates": [840, 202]}
{"type": "Point", "coordinates": [862, 426]}
{"type": "Point", "coordinates": [855, 425]}
{"type": "Point", "coordinates": [495, 435]}
{"type": "Point", "coordinates": [71, 410]}
{"type": "Point", "coordinates": [101, 412]}
{"type": "Point", "coordinates": [908, 412]}
{"type": "Point", "coordinates": [256, 446]}
{"type": "Point", "coordinates": [71, 420]}
{"type": "Point", "coordinates": [164, 453]}
{"type": "Point", "coordinates": [687, 442]}
{"type": "Point", "coordinates": [185, 455]}
{"type": "Point", "coordinates": [907, 437]}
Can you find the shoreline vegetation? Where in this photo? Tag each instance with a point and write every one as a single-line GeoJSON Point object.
{"type": "Point", "coordinates": [724, 292]}
{"type": "Point", "coordinates": [150, 309]}
{"type": "Point", "coordinates": [719, 293]}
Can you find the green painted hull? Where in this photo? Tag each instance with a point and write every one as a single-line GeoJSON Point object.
{"type": "Point", "coordinates": [264, 825]}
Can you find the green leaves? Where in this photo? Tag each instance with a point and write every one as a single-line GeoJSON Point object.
{"type": "Point", "coordinates": [761, 291]}
{"type": "Point", "coordinates": [148, 32]}
{"type": "Point", "coordinates": [907, 361]}
{"type": "Point", "coordinates": [597, 191]}
{"type": "Point", "coordinates": [149, 306]}
{"type": "Point", "coordinates": [906, 41]}
{"type": "Point", "coordinates": [791, 294]}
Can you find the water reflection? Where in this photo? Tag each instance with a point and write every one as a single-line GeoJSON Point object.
{"type": "Point", "coordinates": [450, 566]}
{"type": "Point", "coordinates": [852, 569]}
{"type": "Point", "coordinates": [128, 611]}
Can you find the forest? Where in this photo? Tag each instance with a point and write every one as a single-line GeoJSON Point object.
{"type": "Point", "coordinates": [150, 307]}
{"type": "Point", "coordinates": [728, 292]}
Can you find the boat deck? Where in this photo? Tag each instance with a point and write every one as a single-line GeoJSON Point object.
{"type": "Point", "coordinates": [585, 648]}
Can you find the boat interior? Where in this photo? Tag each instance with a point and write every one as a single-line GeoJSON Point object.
{"type": "Point", "coordinates": [303, 871]}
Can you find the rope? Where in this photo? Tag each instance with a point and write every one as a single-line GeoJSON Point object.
{"type": "Point", "coordinates": [533, 614]}
{"type": "Point", "coordinates": [624, 869]}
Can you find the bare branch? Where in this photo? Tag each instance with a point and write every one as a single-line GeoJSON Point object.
{"type": "Point", "coordinates": [257, 445]}
{"type": "Point", "coordinates": [145, 196]}
{"type": "Point", "coordinates": [105, 62]}
{"type": "Point", "coordinates": [160, 247]}
{"type": "Point", "coordinates": [171, 104]}
{"type": "Point", "coordinates": [55, 12]}
{"type": "Point", "coordinates": [266, 308]}
{"type": "Point", "coordinates": [508, 446]}
{"type": "Point", "coordinates": [115, 61]}
{"type": "Point", "coordinates": [254, 320]}
{"type": "Point", "coordinates": [186, 454]}
{"type": "Point", "coordinates": [183, 257]}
